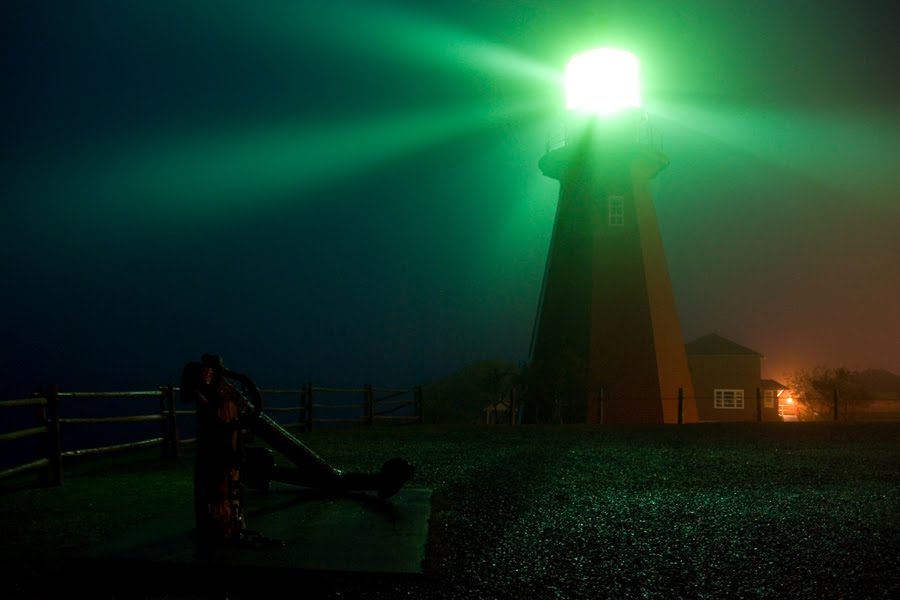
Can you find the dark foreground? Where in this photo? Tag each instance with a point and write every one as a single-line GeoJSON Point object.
{"type": "Point", "coordinates": [708, 511]}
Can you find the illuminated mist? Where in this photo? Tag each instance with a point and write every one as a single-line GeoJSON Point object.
{"type": "Point", "coordinates": [349, 191]}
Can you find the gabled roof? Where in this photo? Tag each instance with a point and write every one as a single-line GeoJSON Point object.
{"type": "Point", "coordinates": [771, 384]}
{"type": "Point", "coordinates": [715, 345]}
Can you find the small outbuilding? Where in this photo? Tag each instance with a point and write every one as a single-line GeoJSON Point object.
{"type": "Point", "coordinates": [727, 379]}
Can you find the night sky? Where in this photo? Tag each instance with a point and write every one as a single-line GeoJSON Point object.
{"type": "Point", "coordinates": [348, 192]}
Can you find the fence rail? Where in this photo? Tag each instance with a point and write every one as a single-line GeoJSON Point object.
{"type": "Point", "coordinates": [46, 404]}
{"type": "Point", "coordinates": [131, 419]}
{"type": "Point", "coordinates": [22, 433]}
{"type": "Point", "coordinates": [24, 402]}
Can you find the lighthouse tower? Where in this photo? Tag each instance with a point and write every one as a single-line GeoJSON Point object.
{"type": "Point", "coordinates": [607, 345]}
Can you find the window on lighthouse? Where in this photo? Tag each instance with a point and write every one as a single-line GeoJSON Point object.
{"type": "Point", "coordinates": [616, 208]}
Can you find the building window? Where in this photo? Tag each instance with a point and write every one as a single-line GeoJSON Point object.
{"type": "Point", "coordinates": [616, 207]}
{"type": "Point", "coordinates": [729, 398]}
{"type": "Point", "coordinates": [769, 398]}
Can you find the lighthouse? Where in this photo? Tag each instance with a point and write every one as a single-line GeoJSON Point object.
{"type": "Point", "coordinates": [607, 344]}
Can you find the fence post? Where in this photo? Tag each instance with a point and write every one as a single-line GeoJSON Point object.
{"type": "Point", "coordinates": [680, 406]}
{"type": "Point", "coordinates": [309, 405]}
{"type": "Point", "coordinates": [163, 424]}
{"type": "Point", "coordinates": [301, 413]}
{"type": "Point", "coordinates": [54, 448]}
{"type": "Point", "coordinates": [417, 403]}
{"type": "Point", "coordinates": [170, 431]}
{"type": "Point", "coordinates": [834, 394]}
{"type": "Point", "coordinates": [42, 443]}
{"type": "Point", "coordinates": [369, 403]}
{"type": "Point", "coordinates": [173, 421]}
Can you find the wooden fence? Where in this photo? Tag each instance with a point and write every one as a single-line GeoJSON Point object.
{"type": "Point", "coordinates": [376, 405]}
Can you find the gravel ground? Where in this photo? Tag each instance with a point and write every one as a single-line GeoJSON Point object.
{"type": "Point", "coordinates": [705, 511]}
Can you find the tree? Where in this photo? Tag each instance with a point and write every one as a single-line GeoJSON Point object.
{"type": "Point", "coordinates": [462, 396]}
{"type": "Point", "coordinates": [815, 391]}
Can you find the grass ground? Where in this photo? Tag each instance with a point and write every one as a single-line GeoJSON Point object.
{"type": "Point", "coordinates": [800, 510]}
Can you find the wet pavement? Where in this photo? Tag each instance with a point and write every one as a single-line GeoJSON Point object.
{"type": "Point", "coordinates": [713, 511]}
{"type": "Point", "coordinates": [696, 512]}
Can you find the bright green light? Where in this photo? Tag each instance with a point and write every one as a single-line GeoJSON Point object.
{"type": "Point", "coordinates": [602, 81]}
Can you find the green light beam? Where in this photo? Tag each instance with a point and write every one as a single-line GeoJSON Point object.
{"type": "Point", "coordinates": [850, 153]}
{"type": "Point", "coordinates": [242, 165]}
{"type": "Point", "coordinates": [243, 169]}
{"type": "Point", "coordinates": [371, 30]}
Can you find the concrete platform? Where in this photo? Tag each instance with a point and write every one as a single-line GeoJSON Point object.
{"type": "Point", "coordinates": [323, 535]}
